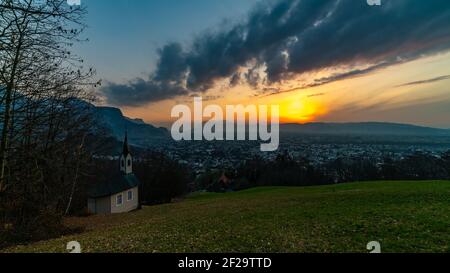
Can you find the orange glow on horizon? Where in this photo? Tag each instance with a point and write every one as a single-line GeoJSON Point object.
{"type": "Point", "coordinates": [293, 109]}
{"type": "Point", "coordinates": [300, 110]}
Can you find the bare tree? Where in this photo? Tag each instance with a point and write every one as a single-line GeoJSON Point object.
{"type": "Point", "coordinates": [35, 60]}
{"type": "Point", "coordinates": [44, 114]}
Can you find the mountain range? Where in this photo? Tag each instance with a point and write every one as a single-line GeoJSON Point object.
{"type": "Point", "coordinates": [145, 135]}
{"type": "Point", "coordinates": [139, 132]}
{"type": "Point", "coordinates": [362, 128]}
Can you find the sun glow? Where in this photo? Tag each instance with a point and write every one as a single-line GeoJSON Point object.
{"type": "Point", "coordinates": [300, 110]}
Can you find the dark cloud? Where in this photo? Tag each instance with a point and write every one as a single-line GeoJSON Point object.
{"type": "Point", "coordinates": [350, 74]}
{"type": "Point", "coordinates": [172, 65]}
{"type": "Point", "coordinates": [253, 77]}
{"type": "Point", "coordinates": [139, 92]}
{"type": "Point", "coordinates": [437, 79]}
{"type": "Point", "coordinates": [235, 79]}
{"type": "Point", "coordinates": [333, 78]}
{"type": "Point", "coordinates": [291, 38]}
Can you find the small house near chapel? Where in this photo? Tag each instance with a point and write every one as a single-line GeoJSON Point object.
{"type": "Point", "coordinates": [118, 194]}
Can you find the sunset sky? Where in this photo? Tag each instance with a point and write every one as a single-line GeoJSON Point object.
{"type": "Point", "coordinates": [330, 61]}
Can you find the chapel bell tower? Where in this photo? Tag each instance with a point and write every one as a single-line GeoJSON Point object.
{"type": "Point", "coordinates": [126, 161]}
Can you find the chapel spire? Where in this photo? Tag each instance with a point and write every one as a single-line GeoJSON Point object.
{"type": "Point", "coordinates": [126, 149]}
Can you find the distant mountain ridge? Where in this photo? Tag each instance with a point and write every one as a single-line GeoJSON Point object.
{"type": "Point", "coordinates": [145, 135]}
{"type": "Point", "coordinates": [362, 128]}
{"type": "Point", "coordinates": [139, 132]}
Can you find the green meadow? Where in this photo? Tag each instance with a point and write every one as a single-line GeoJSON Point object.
{"type": "Point", "coordinates": [402, 216]}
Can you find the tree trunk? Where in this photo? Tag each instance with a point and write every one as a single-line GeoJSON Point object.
{"type": "Point", "coordinates": [7, 119]}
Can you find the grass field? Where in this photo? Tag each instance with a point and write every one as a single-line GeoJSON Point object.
{"type": "Point", "coordinates": [402, 216]}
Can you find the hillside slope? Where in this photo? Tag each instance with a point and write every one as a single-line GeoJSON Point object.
{"type": "Point", "coordinates": [362, 128]}
{"type": "Point", "coordinates": [139, 133]}
{"type": "Point", "coordinates": [403, 216]}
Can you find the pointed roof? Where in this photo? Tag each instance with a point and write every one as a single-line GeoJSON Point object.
{"type": "Point", "coordinates": [126, 149]}
{"type": "Point", "coordinates": [116, 183]}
